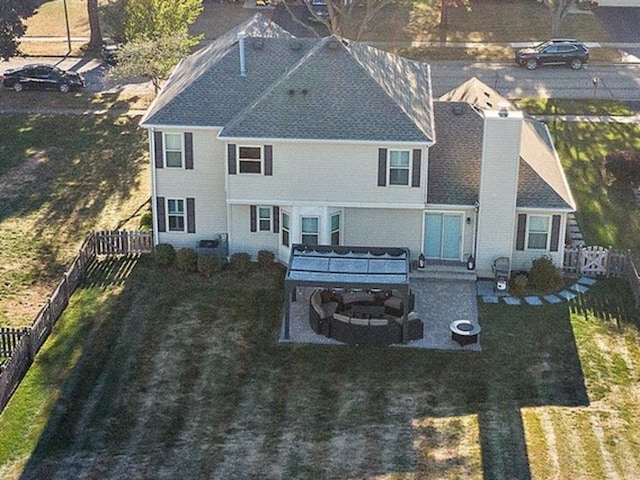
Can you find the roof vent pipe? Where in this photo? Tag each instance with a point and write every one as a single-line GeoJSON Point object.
{"type": "Point", "coordinates": [243, 60]}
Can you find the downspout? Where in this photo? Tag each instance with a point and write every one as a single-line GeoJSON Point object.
{"type": "Point", "coordinates": [154, 192]}
{"type": "Point", "coordinates": [471, 261]}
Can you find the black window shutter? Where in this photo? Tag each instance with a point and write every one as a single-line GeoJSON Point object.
{"type": "Point", "coordinates": [160, 215]}
{"type": "Point", "coordinates": [416, 167]}
{"type": "Point", "coordinates": [268, 159]}
{"type": "Point", "coordinates": [188, 150]}
{"type": "Point", "coordinates": [382, 167]}
{"type": "Point", "coordinates": [231, 158]}
{"type": "Point", "coordinates": [522, 225]}
{"type": "Point", "coordinates": [254, 218]}
{"type": "Point", "coordinates": [276, 219]}
{"type": "Point", "coordinates": [157, 149]}
{"type": "Point", "coordinates": [555, 233]}
{"type": "Point", "coordinates": [191, 215]}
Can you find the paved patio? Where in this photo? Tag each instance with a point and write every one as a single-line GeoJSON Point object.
{"type": "Point", "coordinates": [437, 303]}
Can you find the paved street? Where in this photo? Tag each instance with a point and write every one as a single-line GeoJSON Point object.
{"type": "Point", "coordinates": [619, 81]}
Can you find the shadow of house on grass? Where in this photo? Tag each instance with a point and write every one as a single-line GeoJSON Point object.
{"type": "Point", "coordinates": [369, 411]}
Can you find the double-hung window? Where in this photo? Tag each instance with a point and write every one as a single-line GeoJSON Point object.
{"type": "Point", "coordinates": [310, 230]}
{"type": "Point", "coordinates": [250, 159]}
{"type": "Point", "coordinates": [399, 167]}
{"type": "Point", "coordinates": [335, 229]}
{"type": "Point", "coordinates": [264, 219]}
{"type": "Point", "coordinates": [286, 229]}
{"type": "Point", "coordinates": [175, 211]}
{"type": "Point", "coordinates": [173, 150]}
{"type": "Point", "coordinates": [538, 232]}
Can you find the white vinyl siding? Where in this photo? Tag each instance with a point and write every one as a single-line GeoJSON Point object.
{"type": "Point", "coordinates": [205, 183]}
{"type": "Point", "coordinates": [173, 150]}
{"type": "Point", "coordinates": [322, 173]}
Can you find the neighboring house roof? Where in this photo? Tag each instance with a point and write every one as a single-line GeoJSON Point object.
{"type": "Point", "coordinates": [454, 162]}
{"type": "Point", "coordinates": [321, 89]}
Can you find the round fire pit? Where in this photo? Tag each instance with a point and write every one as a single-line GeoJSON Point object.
{"type": "Point", "coordinates": [464, 332]}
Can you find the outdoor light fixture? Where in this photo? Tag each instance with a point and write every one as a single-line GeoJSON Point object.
{"type": "Point", "coordinates": [422, 262]}
{"type": "Point", "coordinates": [471, 262]}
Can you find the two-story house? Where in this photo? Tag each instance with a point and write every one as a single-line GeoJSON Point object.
{"type": "Point", "coordinates": [273, 140]}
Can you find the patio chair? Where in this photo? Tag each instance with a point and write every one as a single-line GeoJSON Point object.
{"type": "Point", "coordinates": [501, 272]}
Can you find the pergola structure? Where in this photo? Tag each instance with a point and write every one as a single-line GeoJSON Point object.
{"type": "Point", "coordinates": [349, 268]}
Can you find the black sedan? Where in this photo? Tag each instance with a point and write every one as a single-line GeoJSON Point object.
{"type": "Point", "coordinates": [559, 51]}
{"type": "Point", "coordinates": [42, 77]}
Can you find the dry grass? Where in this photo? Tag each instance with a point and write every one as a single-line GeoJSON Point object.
{"type": "Point", "coordinates": [49, 21]}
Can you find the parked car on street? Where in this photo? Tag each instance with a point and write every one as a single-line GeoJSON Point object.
{"type": "Point", "coordinates": [319, 10]}
{"type": "Point", "coordinates": [557, 51]}
{"type": "Point", "coordinates": [42, 77]}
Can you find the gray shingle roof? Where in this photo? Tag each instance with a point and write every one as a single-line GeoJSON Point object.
{"type": "Point", "coordinates": [299, 88]}
{"type": "Point", "coordinates": [454, 162]}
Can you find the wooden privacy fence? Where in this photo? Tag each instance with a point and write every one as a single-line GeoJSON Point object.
{"type": "Point", "coordinates": [22, 347]}
{"type": "Point", "coordinates": [603, 262]}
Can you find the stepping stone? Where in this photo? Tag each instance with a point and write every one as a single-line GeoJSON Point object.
{"type": "Point", "coordinates": [567, 295]}
{"type": "Point", "coordinates": [533, 300]}
{"type": "Point", "coordinates": [552, 299]}
{"type": "Point", "coordinates": [587, 281]}
{"type": "Point", "coordinates": [576, 287]}
{"type": "Point", "coordinates": [489, 299]}
{"type": "Point", "coordinates": [511, 300]}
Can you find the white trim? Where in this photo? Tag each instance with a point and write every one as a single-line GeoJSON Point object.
{"type": "Point", "coordinates": [409, 167]}
{"type": "Point", "coordinates": [548, 233]}
{"type": "Point", "coordinates": [458, 213]}
{"type": "Point", "coordinates": [179, 127]}
{"type": "Point", "coordinates": [270, 209]}
{"type": "Point", "coordinates": [182, 150]}
{"type": "Point", "coordinates": [184, 214]}
{"type": "Point", "coordinates": [154, 187]}
{"type": "Point", "coordinates": [238, 159]}
{"type": "Point", "coordinates": [394, 206]}
{"type": "Point", "coordinates": [318, 231]}
{"type": "Point", "coordinates": [268, 140]}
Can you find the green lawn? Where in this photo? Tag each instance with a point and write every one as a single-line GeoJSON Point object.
{"type": "Point", "coordinates": [171, 375]}
{"type": "Point", "coordinates": [607, 214]}
{"type": "Point", "coordinates": [60, 177]}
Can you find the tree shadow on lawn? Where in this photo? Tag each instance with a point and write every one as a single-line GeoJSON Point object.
{"type": "Point", "coordinates": [69, 167]}
{"type": "Point", "coordinates": [263, 390]}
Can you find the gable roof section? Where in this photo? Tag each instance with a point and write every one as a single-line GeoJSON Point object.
{"type": "Point", "coordinates": [541, 179]}
{"type": "Point", "coordinates": [205, 88]}
{"type": "Point", "coordinates": [454, 161]}
{"type": "Point", "coordinates": [341, 91]}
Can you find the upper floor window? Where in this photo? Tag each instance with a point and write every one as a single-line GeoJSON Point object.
{"type": "Point", "coordinates": [173, 149]}
{"type": "Point", "coordinates": [399, 165]}
{"type": "Point", "coordinates": [250, 159]}
{"type": "Point", "coordinates": [264, 219]}
{"type": "Point", "coordinates": [175, 210]}
{"type": "Point", "coordinates": [310, 230]}
{"type": "Point", "coordinates": [538, 232]}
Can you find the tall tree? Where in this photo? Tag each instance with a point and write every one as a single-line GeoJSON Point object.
{"type": "Point", "coordinates": [95, 40]}
{"type": "Point", "coordinates": [558, 10]}
{"type": "Point", "coordinates": [150, 58]}
{"type": "Point", "coordinates": [154, 19]}
{"type": "Point", "coordinates": [12, 27]}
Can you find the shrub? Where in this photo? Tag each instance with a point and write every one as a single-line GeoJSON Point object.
{"type": "Point", "coordinates": [186, 260]}
{"type": "Point", "coordinates": [623, 166]}
{"type": "Point", "coordinates": [146, 221]}
{"type": "Point", "coordinates": [544, 275]}
{"type": "Point", "coordinates": [240, 262]}
{"type": "Point", "coordinates": [266, 258]}
{"type": "Point", "coordinates": [208, 265]}
{"type": "Point", "coordinates": [519, 284]}
{"type": "Point", "coordinates": [165, 254]}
